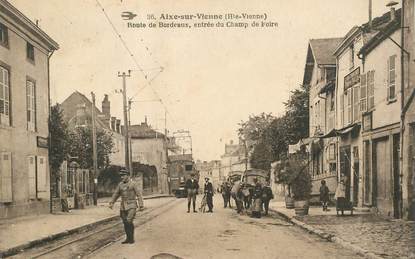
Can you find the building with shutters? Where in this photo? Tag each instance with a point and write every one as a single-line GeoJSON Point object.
{"type": "Point", "coordinates": [25, 52]}
{"type": "Point", "coordinates": [368, 114]}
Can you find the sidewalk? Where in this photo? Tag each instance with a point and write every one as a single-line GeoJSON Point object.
{"type": "Point", "coordinates": [367, 234]}
{"type": "Point", "coordinates": [19, 233]}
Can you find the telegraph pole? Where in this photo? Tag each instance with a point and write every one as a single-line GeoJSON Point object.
{"type": "Point", "coordinates": [94, 148]}
{"type": "Point", "coordinates": [126, 133]}
{"type": "Point", "coordinates": [130, 147]}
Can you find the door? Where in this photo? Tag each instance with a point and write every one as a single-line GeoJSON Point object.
{"type": "Point", "coordinates": [397, 194]}
{"type": "Point", "coordinates": [345, 163]}
{"type": "Point", "coordinates": [355, 176]}
{"type": "Point", "coordinates": [383, 177]}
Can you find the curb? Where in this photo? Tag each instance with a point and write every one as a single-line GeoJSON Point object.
{"type": "Point", "coordinates": [327, 236]}
{"type": "Point", "coordinates": [17, 249]}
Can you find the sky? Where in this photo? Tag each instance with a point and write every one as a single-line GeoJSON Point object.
{"type": "Point", "coordinates": [212, 78]}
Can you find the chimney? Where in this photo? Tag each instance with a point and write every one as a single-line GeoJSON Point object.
{"type": "Point", "coordinates": [370, 14]}
{"type": "Point", "coordinates": [117, 125]}
{"type": "Point", "coordinates": [113, 119]}
{"type": "Point", "coordinates": [106, 107]}
{"type": "Point", "coordinates": [392, 4]}
{"type": "Point", "coordinates": [145, 120]}
{"type": "Point", "coordinates": [106, 110]}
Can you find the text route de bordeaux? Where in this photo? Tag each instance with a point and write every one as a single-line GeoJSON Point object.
{"type": "Point", "coordinates": [178, 20]}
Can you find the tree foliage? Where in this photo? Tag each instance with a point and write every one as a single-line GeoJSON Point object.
{"type": "Point", "coordinates": [273, 135]}
{"type": "Point", "coordinates": [58, 139]}
{"type": "Point", "coordinates": [80, 145]}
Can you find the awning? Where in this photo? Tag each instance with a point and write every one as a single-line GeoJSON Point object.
{"type": "Point", "coordinates": [292, 149]}
{"type": "Point", "coordinates": [348, 129]}
{"type": "Point", "coordinates": [330, 134]}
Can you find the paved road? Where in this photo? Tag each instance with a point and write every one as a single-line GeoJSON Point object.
{"type": "Point", "coordinates": [222, 234]}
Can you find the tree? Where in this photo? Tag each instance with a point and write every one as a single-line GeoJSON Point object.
{"type": "Point", "coordinates": [252, 130]}
{"type": "Point", "coordinates": [272, 138]}
{"type": "Point", "coordinates": [80, 145]}
{"type": "Point", "coordinates": [58, 130]}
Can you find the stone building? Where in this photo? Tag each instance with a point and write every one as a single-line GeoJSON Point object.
{"type": "Point", "coordinates": [149, 157]}
{"type": "Point", "coordinates": [25, 52]}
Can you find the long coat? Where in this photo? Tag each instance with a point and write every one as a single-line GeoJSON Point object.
{"type": "Point", "coordinates": [128, 192]}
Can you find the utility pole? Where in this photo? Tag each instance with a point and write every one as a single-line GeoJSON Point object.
{"type": "Point", "coordinates": [130, 165]}
{"type": "Point", "coordinates": [94, 148]}
{"type": "Point", "coordinates": [126, 133]}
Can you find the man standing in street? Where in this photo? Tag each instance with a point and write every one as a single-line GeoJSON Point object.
{"type": "Point", "coordinates": [209, 194]}
{"type": "Point", "coordinates": [192, 187]}
{"type": "Point", "coordinates": [128, 190]}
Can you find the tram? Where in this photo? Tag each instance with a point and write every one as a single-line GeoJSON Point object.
{"type": "Point", "coordinates": [180, 169]}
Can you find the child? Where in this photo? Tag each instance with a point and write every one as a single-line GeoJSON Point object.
{"type": "Point", "coordinates": [324, 195]}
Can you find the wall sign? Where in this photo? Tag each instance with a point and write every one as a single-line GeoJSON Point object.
{"type": "Point", "coordinates": [352, 78]}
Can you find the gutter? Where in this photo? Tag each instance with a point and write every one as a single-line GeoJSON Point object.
{"type": "Point", "coordinates": [49, 137]}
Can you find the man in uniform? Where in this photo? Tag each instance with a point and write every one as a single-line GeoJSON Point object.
{"type": "Point", "coordinates": [192, 187]}
{"type": "Point", "coordinates": [128, 191]}
{"type": "Point", "coordinates": [209, 194]}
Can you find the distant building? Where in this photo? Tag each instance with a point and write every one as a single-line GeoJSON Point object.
{"type": "Point", "coordinates": [149, 157]}
{"type": "Point", "coordinates": [25, 52]}
{"type": "Point", "coordinates": [234, 159]}
{"type": "Point", "coordinates": [212, 170]}
{"type": "Point", "coordinates": [77, 111]}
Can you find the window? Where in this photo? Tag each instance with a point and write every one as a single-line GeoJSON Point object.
{"type": "Point", "coordinates": [348, 105]}
{"type": "Point", "coordinates": [370, 90]}
{"type": "Point", "coordinates": [30, 51]}
{"type": "Point", "coordinates": [188, 167]}
{"type": "Point", "coordinates": [351, 58]}
{"type": "Point", "coordinates": [4, 37]}
{"type": "Point", "coordinates": [5, 177]}
{"type": "Point", "coordinates": [332, 152]}
{"type": "Point", "coordinates": [363, 93]}
{"type": "Point", "coordinates": [391, 77]}
{"type": "Point", "coordinates": [356, 110]}
{"type": "Point", "coordinates": [4, 97]}
{"type": "Point", "coordinates": [31, 105]}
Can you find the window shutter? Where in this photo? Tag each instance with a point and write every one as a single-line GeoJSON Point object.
{"type": "Point", "coordinates": [6, 177]}
{"type": "Point", "coordinates": [391, 77]}
{"type": "Point", "coordinates": [31, 162]}
{"type": "Point", "coordinates": [363, 92]}
{"type": "Point", "coordinates": [41, 174]}
{"type": "Point", "coordinates": [370, 89]}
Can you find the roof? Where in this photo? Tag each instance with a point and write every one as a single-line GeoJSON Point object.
{"type": "Point", "coordinates": [142, 131]}
{"type": "Point", "coordinates": [366, 31]}
{"type": "Point", "coordinates": [320, 52]}
{"type": "Point", "coordinates": [23, 21]}
{"type": "Point", "coordinates": [382, 31]}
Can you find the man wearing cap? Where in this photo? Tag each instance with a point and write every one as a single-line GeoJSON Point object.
{"type": "Point", "coordinates": [209, 194]}
{"type": "Point", "coordinates": [192, 187]}
{"type": "Point", "coordinates": [128, 191]}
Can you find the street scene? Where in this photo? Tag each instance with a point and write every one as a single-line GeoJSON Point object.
{"type": "Point", "coordinates": [216, 129]}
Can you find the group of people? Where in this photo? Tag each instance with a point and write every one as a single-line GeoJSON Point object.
{"type": "Point", "coordinates": [192, 188]}
{"type": "Point", "coordinates": [256, 197]}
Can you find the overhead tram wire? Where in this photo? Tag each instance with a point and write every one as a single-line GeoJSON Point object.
{"type": "Point", "coordinates": [118, 36]}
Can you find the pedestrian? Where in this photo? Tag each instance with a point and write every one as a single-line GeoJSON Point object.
{"type": "Point", "coordinates": [226, 194]}
{"type": "Point", "coordinates": [237, 195]}
{"type": "Point", "coordinates": [257, 197]}
{"type": "Point", "coordinates": [208, 190]}
{"type": "Point", "coordinates": [130, 194]}
{"type": "Point", "coordinates": [64, 199]}
{"type": "Point", "coordinates": [324, 195]}
{"type": "Point", "coordinates": [267, 196]}
{"type": "Point", "coordinates": [340, 196]}
{"type": "Point", "coordinates": [192, 187]}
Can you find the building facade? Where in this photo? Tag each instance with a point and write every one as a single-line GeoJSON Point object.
{"type": "Point", "coordinates": [25, 52]}
{"type": "Point", "coordinates": [149, 154]}
{"type": "Point", "coordinates": [320, 76]}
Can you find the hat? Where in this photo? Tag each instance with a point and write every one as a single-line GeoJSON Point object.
{"type": "Point", "coordinates": [124, 171]}
{"type": "Point", "coordinates": [206, 178]}
{"type": "Point", "coordinates": [192, 174]}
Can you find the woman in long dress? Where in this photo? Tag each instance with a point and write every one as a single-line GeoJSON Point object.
{"type": "Point", "coordinates": [257, 197]}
